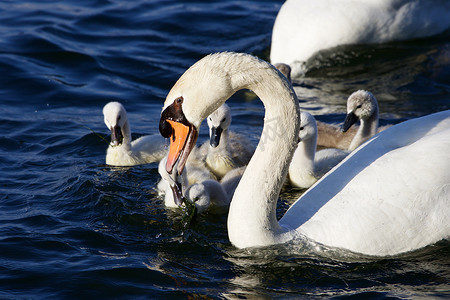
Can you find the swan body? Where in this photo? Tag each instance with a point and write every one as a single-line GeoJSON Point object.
{"type": "Point", "coordinates": [304, 27]}
{"type": "Point", "coordinates": [331, 135]}
{"type": "Point", "coordinates": [307, 165]}
{"type": "Point", "coordinates": [376, 202]}
{"type": "Point", "coordinates": [124, 152]}
{"type": "Point", "coordinates": [225, 150]}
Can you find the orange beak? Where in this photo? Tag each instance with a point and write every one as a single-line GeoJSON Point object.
{"type": "Point", "coordinates": [182, 141]}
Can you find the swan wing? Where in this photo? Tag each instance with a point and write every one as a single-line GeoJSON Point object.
{"type": "Point", "coordinates": [150, 148]}
{"type": "Point", "coordinates": [389, 196]}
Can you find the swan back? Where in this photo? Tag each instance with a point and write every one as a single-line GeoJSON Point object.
{"type": "Point", "coordinates": [389, 196]}
{"type": "Point", "coordinates": [303, 27]}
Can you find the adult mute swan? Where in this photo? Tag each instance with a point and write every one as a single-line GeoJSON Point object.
{"type": "Point", "coordinates": [225, 150]}
{"type": "Point", "coordinates": [307, 165]}
{"type": "Point", "coordinates": [124, 152]}
{"type": "Point", "coordinates": [303, 27]}
{"type": "Point", "coordinates": [387, 197]}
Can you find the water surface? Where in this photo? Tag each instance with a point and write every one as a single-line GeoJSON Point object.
{"type": "Point", "coordinates": [72, 227]}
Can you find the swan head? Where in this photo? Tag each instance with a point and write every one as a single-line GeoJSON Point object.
{"type": "Point", "coordinates": [174, 180]}
{"type": "Point", "coordinates": [361, 105]}
{"type": "Point", "coordinates": [115, 117]}
{"type": "Point", "coordinates": [199, 196]}
{"type": "Point", "coordinates": [202, 89]}
{"type": "Point", "coordinates": [218, 122]}
{"type": "Point", "coordinates": [308, 127]}
{"type": "Point", "coordinates": [284, 69]}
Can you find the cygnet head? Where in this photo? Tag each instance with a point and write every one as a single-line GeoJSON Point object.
{"type": "Point", "coordinates": [174, 180]}
{"type": "Point", "coordinates": [218, 122]}
{"type": "Point", "coordinates": [284, 69]}
{"type": "Point", "coordinates": [115, 117]}
{"type": "Point", "coordinates": [308, 126]}
{"type": "Point", "coordinates": [361, 105]}
{"type": "Point", "coordinates": [199, 196]}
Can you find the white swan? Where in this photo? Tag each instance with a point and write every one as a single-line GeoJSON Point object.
{"type": "Point", "coordinates": [124, 152]}
{"type": "Point", "coordinates": [387, 197]}
{"type": "Point", "coordinates": [225, 150]}
{"type": "Point", "coordinates": [303, 27]}
{"type": "Point", "coordinates": [307, 166]}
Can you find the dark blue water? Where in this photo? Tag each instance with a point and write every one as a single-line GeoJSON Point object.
{"type": "Point", "coordinates": [72, 227]}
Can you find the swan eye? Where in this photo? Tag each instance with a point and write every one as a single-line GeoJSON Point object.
{"type": "Point", "coordinates": [301, 128]}
{"type": "Point", "coordinates": [179, 100]}
{"type": "Point", "coordinates": [359, 106]}
{"type": "Point", "coordinates": [223, 120]}
{"type": "Point", "coordinates": [196, 199]}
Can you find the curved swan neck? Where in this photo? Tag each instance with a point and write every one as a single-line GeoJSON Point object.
{"type": "Point", "coordinates": [201, 90]}
{"type": "Point", "coordinates": [126, 132]}
{"type": "Point", "coordinates": [252, 217]}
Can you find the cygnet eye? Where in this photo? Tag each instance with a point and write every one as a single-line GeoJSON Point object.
{"type": "Point", "coordinates": [196, 199]}
{"type": "Point", "coordinates": [223, 120]}
{"type": "Point", "coordinates": [301, 128]}
{"type": "Point", "coordinates": [359, 106]}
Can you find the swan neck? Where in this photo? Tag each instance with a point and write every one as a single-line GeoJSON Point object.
{"type": "Point", "coordinates": [366, 130]}
{"type": "Point", "coordinates": [252, 217]}
{"type": "Point", "coordinates": [304, 156]}
{"type": "Point", "coordinates": [126, 132]}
